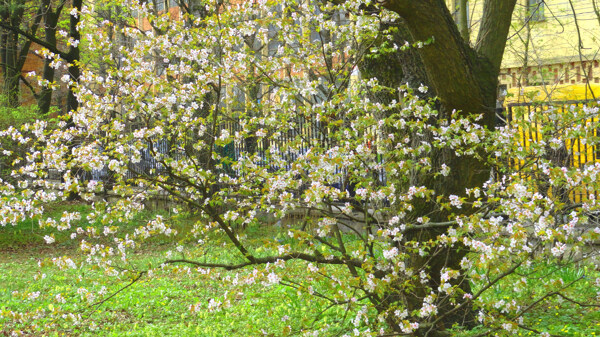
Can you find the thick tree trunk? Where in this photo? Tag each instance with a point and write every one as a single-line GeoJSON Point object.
{"type": "Point", "coordinates": [462, 79]}
{"type": "Point", "coordinates": [397, 68]}
{"type": "Point", "coordinates": [455, 72]}
{"type": "Point", "coordinates": [393, 70]}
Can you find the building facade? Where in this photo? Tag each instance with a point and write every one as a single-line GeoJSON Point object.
{"type": "Point", "coordinates": [550, 44]}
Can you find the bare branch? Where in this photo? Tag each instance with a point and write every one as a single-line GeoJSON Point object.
{"type": "Point", "coordinates": [554, 293]}
{"type": "Point", "coordinates": [579, 48]}
{"type": "Point", "coordinates": [271, 259]}
{"type": "Point", "coordinates": [481, 291]}
{"type": "Point", "coordinates": [137, 278]}
{"type": "Point", "coordinates": [28, 85]}
{"type": "Point", "coordinates": [42, 43]}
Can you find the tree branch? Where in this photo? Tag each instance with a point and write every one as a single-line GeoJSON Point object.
{"type": "Point", "coordinates": [137, 278]}
{"type": "Point", "coordinates": [34, 39]}
{"type": "Point", "coordinates": [495, 24]}
{"type": "Point", "coordinates": [270, 259]}
{"type": "Point", "coordinates": [554, 293]}
{"type": "Point", "coordinates": [27, 45]}
{"type": "Point", "coordinates": [24, 80]}
{"type": "Point", "coordinates": [479, 293]}
{"type": "Point", "coordinates": [579, 48]}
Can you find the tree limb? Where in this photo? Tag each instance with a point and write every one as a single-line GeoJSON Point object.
{"type": "Point", "coordinates": [26, 82]}
{"type": "Point", "coordinates": [34, 39]}
{"type": "Point", "coordinates": [137, 278]}
{"type": "Point", "coordinates": [579, 48]}
{"type": "Point", "coordinates": [25, 48]}
{"type": "Point", "coordinates": [270, 259]}
{"type": "Point", "coordinates": [495, 24]}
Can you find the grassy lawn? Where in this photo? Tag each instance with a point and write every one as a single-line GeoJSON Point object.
{"type": "Point", "coordinates": [159, 305]}
{"type": "Point", "coordinates": [153, 306]}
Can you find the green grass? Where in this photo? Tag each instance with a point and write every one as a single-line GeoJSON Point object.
{"type": "Point", "coordinates": [153, 306]}
{"type": "Point", "coordinates": [157, 306]}
{"type": "Point", "coordinates": [554, 314]}
{"type": "Point", "coordinates": [160, 305]}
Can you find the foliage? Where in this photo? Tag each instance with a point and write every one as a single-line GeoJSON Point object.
{"type": "Point", "coordinates": [11, 117]}
{"type": "Point", "coordinates": [308, 142]}
{"type": "Point", "coordinates": [15, 117]}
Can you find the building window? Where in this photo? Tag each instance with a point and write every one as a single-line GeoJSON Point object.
{"type": "Point", "coordinates": [160, 5]}
{"type": "Point", "coordinates": [535, 10]}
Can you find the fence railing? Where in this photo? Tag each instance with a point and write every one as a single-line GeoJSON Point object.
{"type": "Point", "coordinates": [531, 117]}
{"type": "Point", "coordinates": [307, 132]}
{"type": "Point", "coordinates": [302, 135]}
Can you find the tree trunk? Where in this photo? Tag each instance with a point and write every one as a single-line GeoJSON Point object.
{"type": "Point", "coordinates": [74, 57]}
{"type": "Point", "coordinates": [393, 70]}
{"type": "Point", "coordinates": [462, 79]}
{"type": "Point", "coordinates": [13, 14]}
{"type": "Point", "coordinates": [14, 56]}
{"type": "Point", "coordinates": [11, 75]}
{"type": "Point", "coordinates": [51, 21]}
{"type": "Point", "coordinates": [463, 20]}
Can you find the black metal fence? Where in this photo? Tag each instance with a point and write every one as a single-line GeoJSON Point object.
{"type": "Point", "coordinates": [147, 165]}
{"type": "Point", "coordinates": [305, 133]}
{"type": "Point", "coordinates": [301, 136]}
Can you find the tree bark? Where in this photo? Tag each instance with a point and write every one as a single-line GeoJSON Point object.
{"type": "Point", "coordinates": [11, 74]}
{"type": "Point", "coordinates": [463, 20]}
{"type": "Point", "coordinates": [50, 22]}
{"type": "Point", "coordinates": [463, 79]}
{"type": "Point", "coordinates": [495, 24]}
{"type": "Point", "coordinates": [74, 57]}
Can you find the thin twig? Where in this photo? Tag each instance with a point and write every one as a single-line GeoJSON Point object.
{"type": "Point", "coordinates": [137, 278]}
{"type": "Point", "coordinates": [554, 293]}
{"type": "Point", "coordinates": [579, 48]}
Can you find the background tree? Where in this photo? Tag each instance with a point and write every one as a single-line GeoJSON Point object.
{"type": "Point", "coordinates": [15, 48]}
{"type": "Point", "coordinates": [52, 14]}
{"type": "Point", "coordinates": [71, 56]}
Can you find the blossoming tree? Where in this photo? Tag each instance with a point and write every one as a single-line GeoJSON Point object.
{"type": "Point", "coordinates": [254, 110]}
